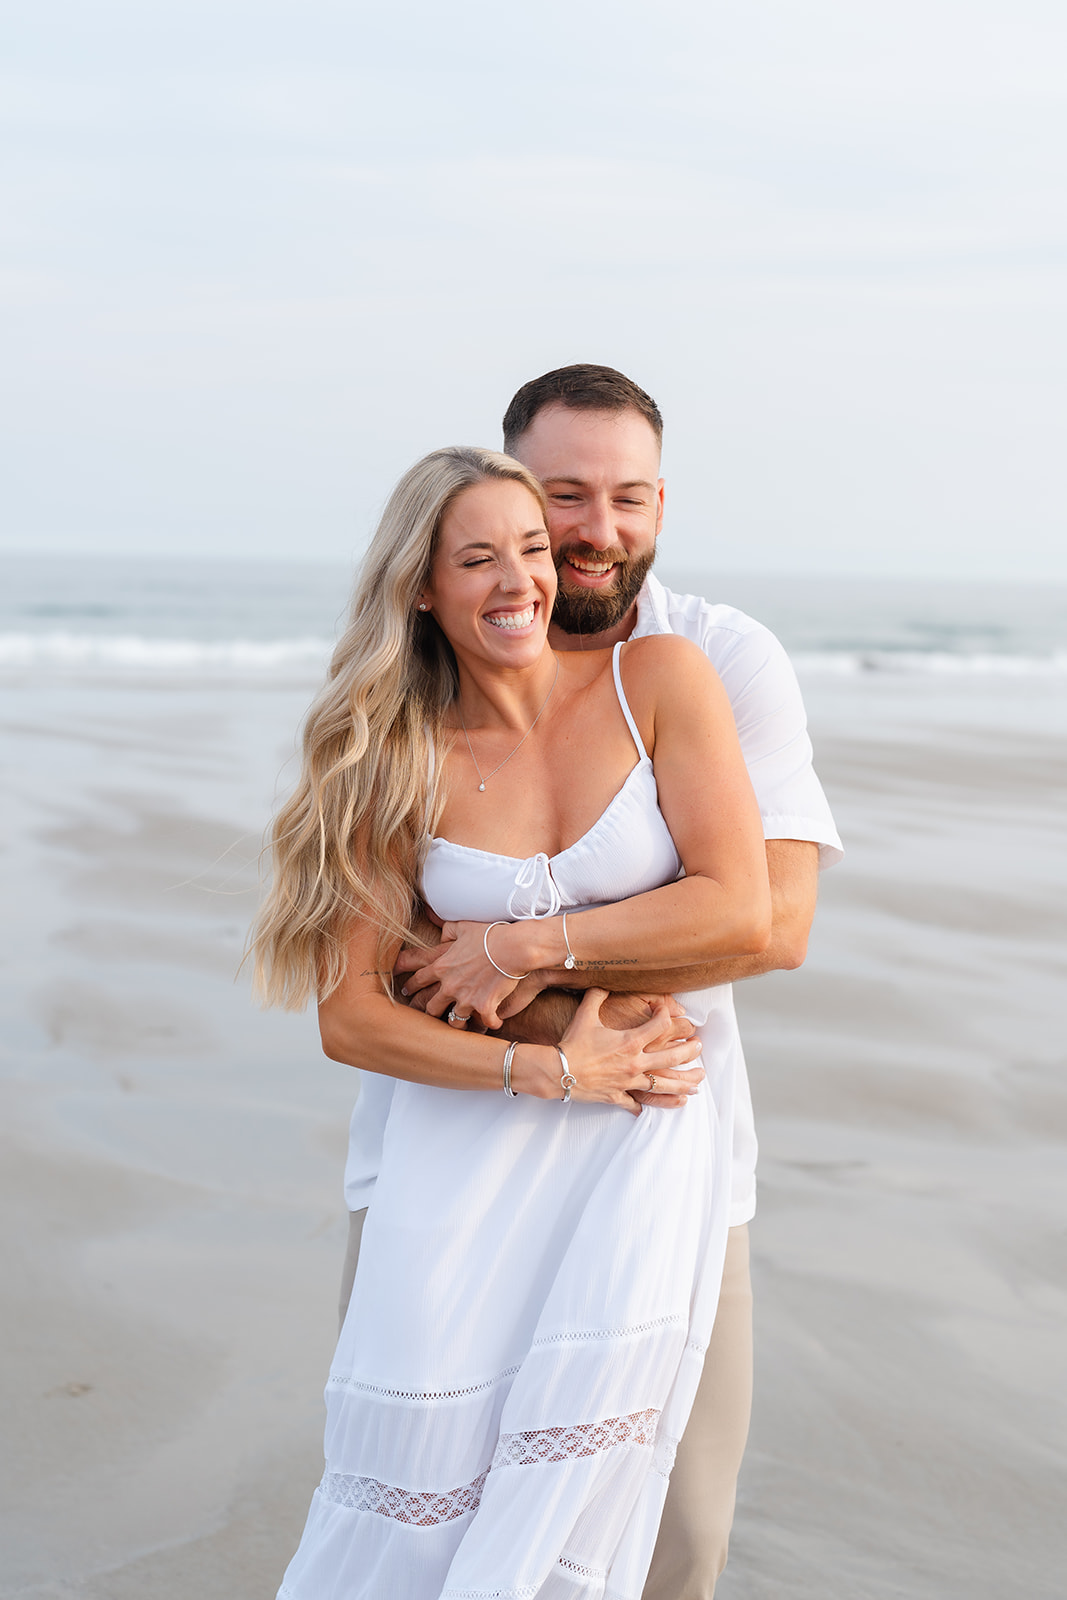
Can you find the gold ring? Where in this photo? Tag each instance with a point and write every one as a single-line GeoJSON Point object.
{"type": "Point", "coordinates": [651, 1081]}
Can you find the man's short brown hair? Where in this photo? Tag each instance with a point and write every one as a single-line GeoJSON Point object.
{"type": "Point", "coordinates": [584, 387]}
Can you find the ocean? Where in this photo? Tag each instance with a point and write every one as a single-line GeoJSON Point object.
{"type": "Point", "coordinates": [172, 616]}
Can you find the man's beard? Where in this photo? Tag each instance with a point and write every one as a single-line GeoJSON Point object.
{"type": "Point", "coordinates": [593, 611]}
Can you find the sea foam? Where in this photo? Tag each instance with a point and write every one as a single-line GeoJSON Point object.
{"type": "Point", "coordinates": [936, 663]}
{"type": "Point", "coordinates": [133, 653]}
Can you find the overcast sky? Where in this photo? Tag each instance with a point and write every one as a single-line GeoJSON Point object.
{"type": "Point", "coordinates": [258, 255]}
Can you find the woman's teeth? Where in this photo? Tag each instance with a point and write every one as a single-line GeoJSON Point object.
{"type": "Point", "coordinates": [512, 619]}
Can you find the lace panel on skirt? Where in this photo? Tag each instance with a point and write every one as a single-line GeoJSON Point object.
{"type": "Point", "coordinates": [424, 1508]}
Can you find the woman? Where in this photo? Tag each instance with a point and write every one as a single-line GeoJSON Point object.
{"type": "Point", "coordinates": [537, 1280]}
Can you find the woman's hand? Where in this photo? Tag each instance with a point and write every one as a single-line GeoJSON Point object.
{"type": "Point", "coordinates": [627, 1009]}
{"type": "Point", "coordinates": [465, 980]}
{"type": "Point", "coordinates": [632, 1066]}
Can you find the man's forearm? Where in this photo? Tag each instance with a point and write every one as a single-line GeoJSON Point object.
{"type": "Point", "coordinates": [545, 1020]}
{"type": "Point", "coordinates": [666, 980]}
{"type": "Point", "coordinates": [547, 1017]}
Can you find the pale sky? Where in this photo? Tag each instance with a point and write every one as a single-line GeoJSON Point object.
{"type": "Point", "coordinates": [258, 255]}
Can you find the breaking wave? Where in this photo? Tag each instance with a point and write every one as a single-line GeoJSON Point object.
{"type": "Point", "coordinates": [935, 663]}
{"type": "Point", "coordinates": [134, 654]}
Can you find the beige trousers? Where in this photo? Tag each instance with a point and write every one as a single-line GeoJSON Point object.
{"type": "Point", "coordinates": [694, 1533]}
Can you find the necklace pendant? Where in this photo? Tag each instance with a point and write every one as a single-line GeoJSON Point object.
{"type": "Point", "coordinates": [481, 788]}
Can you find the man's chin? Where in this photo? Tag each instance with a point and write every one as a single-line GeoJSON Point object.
{"type": "Point", "coordinates": [593, 611]}
{"type": "Point", "coordinates": [590, 611]}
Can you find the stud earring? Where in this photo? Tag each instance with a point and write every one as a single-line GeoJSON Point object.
{"type": "Point", "coordinates": [423, 606]}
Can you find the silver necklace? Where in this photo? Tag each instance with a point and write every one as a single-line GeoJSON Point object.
{"type": "Point", "coordinates": [482, 781]}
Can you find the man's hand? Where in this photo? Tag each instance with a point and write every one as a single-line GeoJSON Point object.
{"type": "Point", "coordinates": [425, 935]}
{"type": "Point", "coordinates": [547, 1017]}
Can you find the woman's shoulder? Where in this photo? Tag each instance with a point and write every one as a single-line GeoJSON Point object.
{"type": "Point", "coordinates": [652, 652]}
{"type": "Point", "coordinates": [664, 655]}
{"type": "Point", "coordinates": [665, 676]}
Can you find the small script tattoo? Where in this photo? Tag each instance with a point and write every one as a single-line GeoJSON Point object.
{"type": "Point", "coordinates": [612, 961]}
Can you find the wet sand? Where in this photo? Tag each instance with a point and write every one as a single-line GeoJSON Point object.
{"type": "Point", "coordinates": [909, 1254]}
{"type": "Point", "coordinates": [171, 1159]}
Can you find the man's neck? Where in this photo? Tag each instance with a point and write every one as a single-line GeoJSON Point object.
{"type": "Point", "coordinates": [594, 641]}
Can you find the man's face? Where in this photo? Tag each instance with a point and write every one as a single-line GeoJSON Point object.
{"type": "Point", "coordinates": [600, 470]}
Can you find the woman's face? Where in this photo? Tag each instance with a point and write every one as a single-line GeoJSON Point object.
{"type": "Point", "coordinates": [493, 580]}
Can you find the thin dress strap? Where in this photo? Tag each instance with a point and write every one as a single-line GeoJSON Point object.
{"type": "Point", "coordinates": [627, 713]}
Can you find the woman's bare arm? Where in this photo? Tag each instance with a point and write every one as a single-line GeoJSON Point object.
{"type": "Point", "coordinates": [362, 1026]}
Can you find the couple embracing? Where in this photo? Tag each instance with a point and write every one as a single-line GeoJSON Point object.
{"type": "Point", "coordinates": [603, 794]}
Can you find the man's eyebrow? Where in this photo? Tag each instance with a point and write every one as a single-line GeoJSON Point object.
{"type": "Point", "coordinates": [579, 483]}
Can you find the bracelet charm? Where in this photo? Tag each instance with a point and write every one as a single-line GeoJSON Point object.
{"type": "Point", "coordinates": [570, 962]}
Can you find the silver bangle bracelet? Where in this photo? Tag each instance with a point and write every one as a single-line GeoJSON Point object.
{"type": "Point", "coordinates": [516, 977]}
{"type": "Point", "coordinates": [568, 1080]}
{"type": "Point", "coordinates": [509, 1056]}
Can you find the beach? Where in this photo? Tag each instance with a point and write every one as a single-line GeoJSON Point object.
{"type": "Point", "coordinates": [172, 1212]}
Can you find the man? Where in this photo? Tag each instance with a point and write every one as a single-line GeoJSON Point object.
{"type": "Point", "coordinates": [593, 438]}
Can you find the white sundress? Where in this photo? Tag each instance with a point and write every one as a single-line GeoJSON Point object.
{"type": "Point", "coordinates": [536, 1289]}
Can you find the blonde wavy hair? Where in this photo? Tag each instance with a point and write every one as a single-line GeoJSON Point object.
{"type": "Point", "coordinates": [349, 841]}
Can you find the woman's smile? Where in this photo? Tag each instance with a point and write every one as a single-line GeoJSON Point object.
{"type": "Point", "coordinates": [513, 621]}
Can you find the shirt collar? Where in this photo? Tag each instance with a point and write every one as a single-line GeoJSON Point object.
{"type": "Point", "coordinates": [651, 609]}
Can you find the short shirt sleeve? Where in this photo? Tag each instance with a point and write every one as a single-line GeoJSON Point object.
{"type": "Point", "coordinates": [773, 729]}
{"type": "Point", "coordinates": [768, 709]}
